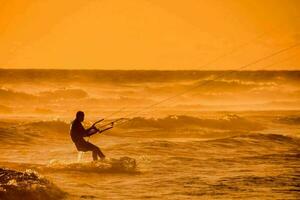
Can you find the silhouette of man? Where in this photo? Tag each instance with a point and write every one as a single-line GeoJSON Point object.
{"type": "Point", "coordinates": [78, 132]}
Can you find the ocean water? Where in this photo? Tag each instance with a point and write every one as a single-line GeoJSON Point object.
{"type": "Point", "coordinates": [149, 159]}
{"type": "Point", "coordinates": [235, 138]}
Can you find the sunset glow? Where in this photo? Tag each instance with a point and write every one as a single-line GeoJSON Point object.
{"type": "Point", "coordinates": [148, 34]}
{"type": "Point", "coordinates": [149, 99]}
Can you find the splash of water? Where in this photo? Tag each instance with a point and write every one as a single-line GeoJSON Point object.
{"type": "Point", "coordinates": [111, 165]}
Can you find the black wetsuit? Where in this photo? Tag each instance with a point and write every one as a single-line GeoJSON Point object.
{"type": "Point", "coordinates": [78, 133]}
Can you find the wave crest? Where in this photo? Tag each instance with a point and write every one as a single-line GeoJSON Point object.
{"type": "Point", "coordinates": [56, 126]}
{"type": "Point", "coordinates": [28, 185]}
{"type": "Point", "coordinates": [229, 122]}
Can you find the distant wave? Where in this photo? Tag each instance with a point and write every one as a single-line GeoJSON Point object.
{"type": "Point", "coordinates": [269, 137]}
{"type": "Point", "coordinates": [43, 111]}
{"type": "Point", "coordinates": [43, 92]}
{"type": "Point", "coordinates": [228, 122]}
{"type": "Point", "coordinates": [11, 96]}
{"type": "Point", "coordinates": [64, 94]}
{"type": "Point", "coordinates": [262, 143]}
{"type": "Point", "coordinates": [262, 140]}
{"type": "Point", "coordinates": [7, 95]}
{"type": "Point", "coordinates": [211, 86]}
{"type": "Point", "coordinates": [5, 109]}
{"type": "Point", "coordinates": [291, 120]}
{"type": "Point", "coordinates": [229, 85]}
{"type": "Point", "coordinates": [137, 76]}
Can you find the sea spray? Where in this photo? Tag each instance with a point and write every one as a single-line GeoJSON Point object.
{"type": "Point", "coordinates": [111, 165]}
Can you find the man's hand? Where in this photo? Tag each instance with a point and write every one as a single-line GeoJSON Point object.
{"type": "Point", "coordinates": [96, 129]}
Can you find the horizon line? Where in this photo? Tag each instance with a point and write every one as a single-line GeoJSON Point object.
{"type": "Point", "coordinates": [92, 69]}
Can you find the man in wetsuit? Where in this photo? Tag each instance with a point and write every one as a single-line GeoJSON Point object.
{"type": "Point", "coordinates": [78, 132]}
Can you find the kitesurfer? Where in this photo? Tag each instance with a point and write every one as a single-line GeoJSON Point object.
{"type": "Point", "coordinates": [78, 132]}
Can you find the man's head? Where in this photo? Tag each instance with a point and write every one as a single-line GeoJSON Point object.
{"type": "Point", "coordinates": [80, 116]}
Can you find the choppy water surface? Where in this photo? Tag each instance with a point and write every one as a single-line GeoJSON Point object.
{"type": "Point", "coordinates": [213, 156]}
{"type": "Point", "coordinates": [236, 137]}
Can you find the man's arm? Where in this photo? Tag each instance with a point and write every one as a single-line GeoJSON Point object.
{"type": "Point", "coordinates": [88, 130]}
{"type": "Point", "coordinates": [85, 132]}
{"type": "Point", "coordinates": [91, 131]}
{"type": "Point", "coordinates": [93, 127]}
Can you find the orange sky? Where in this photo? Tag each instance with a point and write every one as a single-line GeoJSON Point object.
{"type": "Point", "coordinates": [148, 34]}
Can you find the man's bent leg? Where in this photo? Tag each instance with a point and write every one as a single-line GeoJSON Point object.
{"type": "Point", "coordinates": [97, 152]}
{"type": "Point", "coordinates": [95, 155]}
{"type": "Point", "coordinates": [87, 146]}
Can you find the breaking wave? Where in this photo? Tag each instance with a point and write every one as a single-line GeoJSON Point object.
{"type": "Point", "coordinates": [28, 185]}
